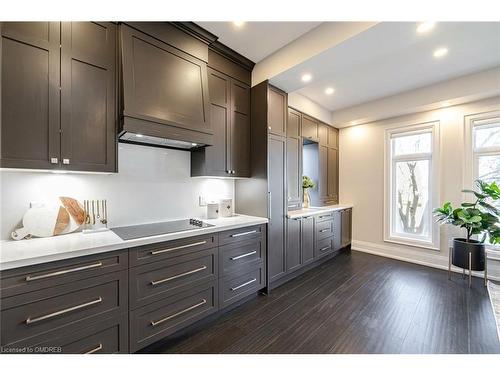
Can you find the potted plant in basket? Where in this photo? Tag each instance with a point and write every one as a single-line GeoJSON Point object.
{"type": "Point", "coordinates": [477, 218]}
{"type": "Point", "coordinates": [307, 183]}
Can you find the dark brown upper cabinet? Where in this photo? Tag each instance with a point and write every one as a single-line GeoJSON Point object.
{"type": "Point", "coordinates": [229, 156]}
{"type": "Point", "coordinates": [333, 176]}
{"type": "Point", "coordinates": [333, 137]}
{"type": "Point", "coordinates": [323, 134]}
{"type": "Point", "coordinates": [88, 96]}
{"type": "Point", "coordinates": [58, 96]}
{"type": "Point", "coordinates": [277, 114]}
{"type": "Point", "coordinates": [30, 94]}
{"type": "Point", "coordinates": [294, 159]}
{"type": "Point", "coordinates": [310, 128]}
{"type": "Point", "coordinates": [165, 83]}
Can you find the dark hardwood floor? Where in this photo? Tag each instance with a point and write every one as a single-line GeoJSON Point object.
{"type": "Point", "coordinates": [354, 303]}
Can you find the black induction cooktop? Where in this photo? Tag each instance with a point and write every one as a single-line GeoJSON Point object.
{"type": "Point", "coordinates": [154, 229]}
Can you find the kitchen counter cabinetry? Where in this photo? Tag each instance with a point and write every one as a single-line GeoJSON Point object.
{"type": "Point", "coordinates": [58, 95]}
{"type": "Point", "coordinates": [122, 301]}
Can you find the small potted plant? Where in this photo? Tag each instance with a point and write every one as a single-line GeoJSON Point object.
{"type": "Point", "coordinates": [479, 218]}
{"type": "Point", "coordinates": [307, 183]}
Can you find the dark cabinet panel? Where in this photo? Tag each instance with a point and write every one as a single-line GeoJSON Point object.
{"type": "Point", "coordinates": [323, 134]}
{"type": "Point", "coordinates": [30, 94]}
{"type": "Point", "coordinates": [148, 64]}
{"type": "Point", "coordinates": [88, 107]}
{"type": "Point", "coordinates": [293, 245]}
{"type": "Point", "coordinates": [277, 111]}
{"type": "Point", "coordinates": [346, 227]}
{"type": "Point", "coordinates": [277, 207]}
{"type": "Point", "coordinates": [323, 173]}
{"type": "Point", "coordinates": [240, 129]}
{"type": "Point", "coordinates": [333, 137]}
{"type": "Point", "coordinates": [309, 128]}
{"type": "Point", "coordinates": [293, 127]}
{"type": "Point", "coordinates": [337, 230]}
{"type": "Point", "coordinates": [294, 171]}
{"type": "Point", "coordinates": [307, 239]}
{"type": "Point", "coordinates": [333, 173]}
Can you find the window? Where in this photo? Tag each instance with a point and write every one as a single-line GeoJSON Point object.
{"type": "Point", "coordinates": [411, 185]}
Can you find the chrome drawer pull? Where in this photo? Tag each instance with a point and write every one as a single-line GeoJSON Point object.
{"type": "Point", "coordinates": [323, 216]}
{"type": "Point", "coordinates": [163, 320]}
{"type": "Point", "coordinates": [325, 248]}
{"type": "Point", "coordinates": [96, 349]}
{"type": "Point", "coordinates": [61, 312]}
{"type": "Point", "coordinates": [156, 282]}
{"type": "Point", "coordinates": [63, 272]}
{"type": "Point", "coordinates": [243, 255]}
{"type": "Point", "coordinates": [324, 230]}
{"type": "Point", "coordinates": [244, 233]}
{"type": "Point", "coordinates": [178, 247]}
{"type": "Point", "coordinates": [244, 284]}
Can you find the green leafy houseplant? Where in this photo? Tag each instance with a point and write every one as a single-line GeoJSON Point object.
{"type": "Point", "coordinates": [478, 217]}
{"type": "Point", "coordinates": [307, 183]}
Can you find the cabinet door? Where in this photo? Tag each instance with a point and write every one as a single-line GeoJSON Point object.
{"type": "Point", "coordinates": [30, 94]}
{"type": "Point", "coordinates": [323, 173]}
{"type": "Point", "coordinates": [216, 156]}
{"type": "Point", "coordinates": [346, 227]}
{"type": "Point", "coordinates": [293, 245]}
{"type": "Point", "coordinates": [333, 137]}
{"type": "Point", "coordinates": [293, 171]}
{"type": "Point", "coordinates": [333, 173]}
{"type": "Point", "coordinates": [148, 64]}
{"type": "Point", "coordinates": [277, 207]}
{"type": "Point", "coordinates": [88, 107]}
{"type": "Point", "coordinates": [323, 134]}
{"type": "Point", "coordinates": [337, 230]}
{"type": "Point", "coordinates": [309, 128]}
{"type": "Point", "coordinates": [277, 111]}
{"type": "Point", "coordinates": [240, 129]}
{"type": "Point", "coordinates": [293, 127]}
{"type": "Point", "coordinates": [307, 239]}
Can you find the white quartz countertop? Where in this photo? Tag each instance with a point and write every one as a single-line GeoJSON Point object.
{"type": "Point", "coordinates": [14, 254]}
{"type": "Point", "coordinates": [317, 210]}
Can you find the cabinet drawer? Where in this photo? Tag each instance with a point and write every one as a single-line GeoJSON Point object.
{"type": "Point", "coordinates": [160, 319]}
{"type": "Point", "coordinates": [49, 275]}
{"type": "Point", "coordinates": [324, 247]}
{"type": "Point", "coordinates": [63, 308]}
{"type": "Point", "coordinates": [151, 282]}
{"type": "Point", "coordinates": [233, 289]}
{"type": "Point", "coordinates": [324, 217]}
{"type": "Point", "coordinates": [324, 229]}
{"type": "Point", "coordinates": [241, 256]}
{"type": "Point", "coordinates": [242, 234]}
{"type": "Point", "coordinates": [164, 250]}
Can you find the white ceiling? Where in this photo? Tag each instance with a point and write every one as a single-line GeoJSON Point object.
{"type": "Point", "coordinates": [256, 40]}
{"type": "Point", "coordinates": [391, 57]}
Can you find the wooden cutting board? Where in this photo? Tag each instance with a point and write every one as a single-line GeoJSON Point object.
{"type": "Point", "coordinates": [74, 208]}
{"type": "Point", "coordinates": [45, 221]}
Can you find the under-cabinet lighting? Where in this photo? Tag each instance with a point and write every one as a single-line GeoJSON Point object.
{"type": "Point", "coordinates": [440, 52]}
{"type": "Point", "coordinates": [194, 144]}
{"type": "Point", "coordinates": [306, 77]}
{"type": "Point", "coordinates": [425, 27]}
{"type": "Point", "coordinates": [139, 135]}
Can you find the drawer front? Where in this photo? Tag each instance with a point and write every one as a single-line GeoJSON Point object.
{"type": "Point", "coordinates": [233, 289]}
{"type": "Point", "coordinates": [165, 250]}
{"type": "Point", "coordinates": [64, 308]}
{"type": "Point", "coordinates": [48, 275]}
{"type": "Point", "coordinates": [162, 318]}
{"type": "Point", "coordinates": [242, 234]}
{"type": "Point", "coordinates": [324, 217]}
{"type": "Point", "coordinates": [324, 229]}
{"type": "Point", "coordinates": [241, 256]}
{"type": "Point", "coordinates": [154, 281]}
{"type": "Point", "coordinates": [324, 247]}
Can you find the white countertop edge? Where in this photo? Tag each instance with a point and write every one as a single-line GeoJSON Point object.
{"type": "Point", "coordinates": [14, 254]}
{"type": "Point", "coordinates": [316, 210]}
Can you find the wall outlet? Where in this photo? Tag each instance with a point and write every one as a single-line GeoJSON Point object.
{"type": "Point", "coordinates": [202, 201]}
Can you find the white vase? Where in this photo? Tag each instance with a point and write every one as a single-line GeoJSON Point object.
{"type": "Point", "coordinates": [307, 199]}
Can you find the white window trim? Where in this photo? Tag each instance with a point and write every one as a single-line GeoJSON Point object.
{"type": "Point", "coordinates": [434, 182]}
{"type": "Point", "coordinates": [470, 161]}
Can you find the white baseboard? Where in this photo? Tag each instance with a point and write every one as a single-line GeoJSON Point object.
{"type": "Point", "coordinates": [399, 253]}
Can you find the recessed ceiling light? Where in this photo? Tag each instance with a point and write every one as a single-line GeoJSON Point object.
{"type": "Point", "coordinates": [425, 27]}
{"type": "Point", "coordinates": [306, 77]}
{"type": "Point", "coordinates": [329, 90]}
{"type": "Point", "coordinates": [440, 52]}
{"type": "Point", "coordinates": [238, 23]}
{"type": "Point", "coordinates": [139, 135]}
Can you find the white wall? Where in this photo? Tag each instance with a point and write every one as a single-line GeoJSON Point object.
{"type": "Point", "coordinates": [362, 177]}
{"type": "Point", "coordinates": [306, 105]}
{"type": "Point", "coordinates": [153, 184]}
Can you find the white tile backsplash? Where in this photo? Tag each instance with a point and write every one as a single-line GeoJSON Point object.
{"type": "Point", "coordinates": [153, 184]}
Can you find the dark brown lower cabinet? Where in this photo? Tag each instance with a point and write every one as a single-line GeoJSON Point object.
{"type": "Point", "coordinates": [307, 239]}
{"type": "Point", "coordinates": [122, 301]}
{"type": "Point", "coordinates": [293, 244]}
{"type": "Point", "coordinates": [346, 236]}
